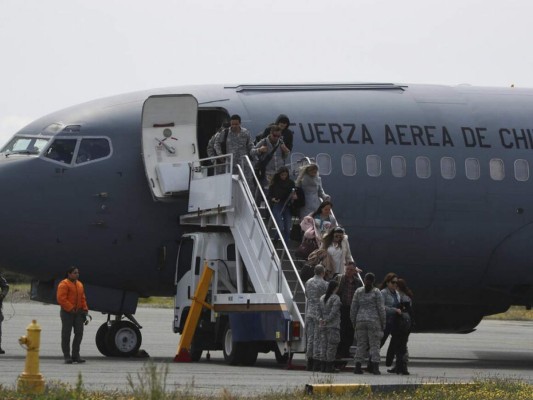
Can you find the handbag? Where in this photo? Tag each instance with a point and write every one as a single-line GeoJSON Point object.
{"type": "Point", "coordinates": [306, 247]}
{"type": "Point", "coordinates": [296, 233]}
{"type": "Point", "coordinates": [298, 203]}
{"type": "Point", "coordinates": [403, 322]}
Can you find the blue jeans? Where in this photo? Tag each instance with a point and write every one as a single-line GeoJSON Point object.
{"type": "Point", "coordinates": [283, 219]}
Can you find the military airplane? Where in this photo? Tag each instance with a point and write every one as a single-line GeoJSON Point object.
{"type": "Point", "coordinates": [431, 182]}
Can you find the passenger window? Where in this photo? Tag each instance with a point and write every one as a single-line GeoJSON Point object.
{"type": "Point", "coordinates": [61, 150]}
{"type": "Point", "coordinates": [423, 167]}
{"type": "Point", "coordinates": [373, 165]}
{"type": "Point", "coordinates": [323, 161]}
{"type": "Point", "coordinates": [472, 168]}
{"type": "Point", "coordinates": [295, 157]}
{"type": "Point", "coordinates": [348, 165]}
{"type": "Point", "coordinates": [521, 170]}
{"type": "Point", "coordinates": [447, 167]}
{"type": "Point", "coordinates": [496, 168]}
{"type": "Point", "coordinates": [398, 166]}
{"type": "Point", "coordinates": [92, 149]}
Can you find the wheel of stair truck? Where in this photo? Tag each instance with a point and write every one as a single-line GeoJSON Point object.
{"type": "Point", "coordinates": [234, 352]}
{"type": "Point", "coordinates": [250, 354]}
{"type": "Point", "coordinates": [195, 352]}
{"type": "Point", "coordinates": [123, 339]}
{"type": "Point", "coordinates": [101, 344]}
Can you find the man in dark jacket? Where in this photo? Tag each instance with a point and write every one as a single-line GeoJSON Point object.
{"type": "Point", "coordinates": [286, 134]}
{"type": "Point", "coordinates": [348, 283]}
{"type": "Point", "coordinates": [4, 289]}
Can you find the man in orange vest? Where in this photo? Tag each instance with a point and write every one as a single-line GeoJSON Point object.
{"type": "Point", "coordinates": [74, 310]}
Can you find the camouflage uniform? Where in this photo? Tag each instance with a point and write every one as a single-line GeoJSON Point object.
{"type": "Point", "coordinates": [314, 289]}
{"type": "Point", "coordinates": [330, 335]}
{"type": "Point", "coordinates": [368, 316]}
{"type": "Point", "coordinates": [239, 144]}
{"type": "Point", "coordinates": [278, 158]}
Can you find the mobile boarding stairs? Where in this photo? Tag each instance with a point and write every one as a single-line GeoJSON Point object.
{"type": "Point", "coordinates": [220, 199]}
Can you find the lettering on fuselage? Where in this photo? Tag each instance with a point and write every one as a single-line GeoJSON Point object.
{"type": "Point", "coordinates": [413, 135]}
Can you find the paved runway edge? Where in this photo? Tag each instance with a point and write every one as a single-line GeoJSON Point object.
{"type": "Point", "coordinates": [363, 388]}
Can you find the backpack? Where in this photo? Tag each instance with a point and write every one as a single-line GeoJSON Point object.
{"type": "Point", "coordinates": [261, 136]}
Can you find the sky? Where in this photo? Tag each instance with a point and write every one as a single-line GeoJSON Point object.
{"type": "Point", "coordinates": [57, 53]}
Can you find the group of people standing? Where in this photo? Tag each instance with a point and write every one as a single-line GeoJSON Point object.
{"type": "Point", "coordinates": [338, 316]}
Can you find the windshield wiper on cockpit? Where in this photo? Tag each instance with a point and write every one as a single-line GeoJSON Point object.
{"type": "Point", "coordinates": [9, 152]}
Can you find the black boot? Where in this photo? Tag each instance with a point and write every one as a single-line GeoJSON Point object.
{"type": "Point", "coordinates": [317, 364]}
{"type": "Point", "coordinates": [369, 366]}
{"type": "Point", "coordinates": [309, 366]}
{"type": "Point", "coordinates": [390, 356]}
{"type": "Point", "coordinates": [324, 367]}
{"type": "Point", "coordinates": [375, 368]}
{"type": "Point", "coordinates": [357, 369]}
{"type": "Point", "coordinates": [393, 370]}
{"type": "Point", "coordinates": [402, 369]}
{"type": "Point", "coordinates": [2, 351]}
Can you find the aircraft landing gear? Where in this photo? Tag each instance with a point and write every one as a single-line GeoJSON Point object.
{"type": "Point", "coordinates": [119, 338]}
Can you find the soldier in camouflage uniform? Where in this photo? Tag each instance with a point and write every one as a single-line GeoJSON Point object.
{"type": "Point", "coordinates": [235, 140]}
{"type": "Point", "coordinates": [315, 287]}
{"type": "Point", "coordinates": [330, 326]}
{"type": "Point", "coordinates": [368, 316]}
{"type": "Point", "coordinates": [4, 289]}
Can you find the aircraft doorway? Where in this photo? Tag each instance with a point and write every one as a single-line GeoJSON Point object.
{"type": "Point", "coordinates": [209, 121]}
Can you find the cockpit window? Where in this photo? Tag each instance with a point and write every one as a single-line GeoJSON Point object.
{"type": "Point", "coordinates": [25, 145]}
{"type": "Point", "coordinates": [61, 150]}
{"type": "Point", "coordinates": [92, 149]}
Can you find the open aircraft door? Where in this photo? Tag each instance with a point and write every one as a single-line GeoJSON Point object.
{"type": "Point", "coordinates": [169, 143]}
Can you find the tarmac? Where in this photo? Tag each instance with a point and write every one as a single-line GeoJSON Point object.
{"type": "Point", "coordinates": [497, 349]}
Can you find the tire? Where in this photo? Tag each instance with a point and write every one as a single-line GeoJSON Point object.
{"type": "Point", "coordinates": [233, 351]}
{"type": "Point", "coordinates": [123, 339]}
{"type": "Point", "coordinates": [250, 354]}
{"type": "Point", "coordinates": [195, 353]}
{"type": "Point", "coordinates": [100, 339]}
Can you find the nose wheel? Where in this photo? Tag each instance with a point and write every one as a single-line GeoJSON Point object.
{"type": "Point", "coordinates": [121, 339]}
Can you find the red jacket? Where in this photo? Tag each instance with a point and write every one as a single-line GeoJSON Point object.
{"type": "Point", "coordinates": [71, 296]}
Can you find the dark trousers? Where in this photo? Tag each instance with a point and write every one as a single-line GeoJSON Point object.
{"type": "Point", "coordinates": [347, 333]}
{"type": "Point", "coordinates": [1, 319]}
{"type": "Point", "coordinates": [400, 346]}
{"type": "Point", "coordinates": [69, 322]}
{"type": "Point", "coordinates": [283, 219]}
